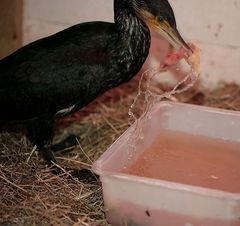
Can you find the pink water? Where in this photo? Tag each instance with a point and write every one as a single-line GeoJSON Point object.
{"type": "Point", "coordinates": [191, 159]}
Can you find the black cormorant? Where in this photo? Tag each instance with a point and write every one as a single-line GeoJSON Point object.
{"type": "Point", "coordinates": [58, 75]}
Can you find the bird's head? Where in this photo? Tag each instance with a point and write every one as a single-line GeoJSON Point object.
{"type": "Point", "coordinates": [158, 14]}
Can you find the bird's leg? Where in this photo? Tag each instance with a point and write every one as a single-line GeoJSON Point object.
{"type": "Point", "coordinates": [69, 143]}
{"type": "Point", "coordinates": [40, 132]}
{"type": "Point", "coordinates": [81, 174]}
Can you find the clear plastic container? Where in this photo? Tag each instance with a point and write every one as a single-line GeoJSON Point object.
{"type": "Point", "coordinates": [132, 200]}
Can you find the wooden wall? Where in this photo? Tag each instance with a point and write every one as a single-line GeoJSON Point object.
{"type": "Point", "coordinates": [11, 14]}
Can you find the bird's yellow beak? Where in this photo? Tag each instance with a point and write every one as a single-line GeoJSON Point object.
{"type": "Point", "coordinates": [170, 33]}
{"type": "Point", "coordinates": [163, 27]}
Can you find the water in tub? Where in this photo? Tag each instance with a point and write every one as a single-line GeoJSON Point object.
{"type": "Point", "coordinates": [191, 159]}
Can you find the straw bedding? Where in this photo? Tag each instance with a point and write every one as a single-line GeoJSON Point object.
{"type": "Point", "coordinates": [31, 195]}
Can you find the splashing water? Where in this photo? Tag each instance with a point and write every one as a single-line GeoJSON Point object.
{"type": "Point", "coordinates": [151, 97]}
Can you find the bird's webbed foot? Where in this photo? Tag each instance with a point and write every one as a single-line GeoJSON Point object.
{"type": "Point", "coordinates": [79, 174]}
{"type": "Point", "coordinates": [85, 175]}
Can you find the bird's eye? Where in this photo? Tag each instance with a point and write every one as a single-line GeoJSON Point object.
{"type": "Point", "coordinates": [160, 18]}
{"type": "Point", "coordinates": [141, 3]}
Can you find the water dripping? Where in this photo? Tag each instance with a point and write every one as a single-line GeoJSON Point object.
{"type": "Point", "coordinates": [150, 98]}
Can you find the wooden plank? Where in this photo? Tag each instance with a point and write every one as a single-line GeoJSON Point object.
{"type": "Point", "coordinates": [11, 17]}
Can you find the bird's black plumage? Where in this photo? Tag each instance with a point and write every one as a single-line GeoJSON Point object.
{"type": "Point", "coordinates": [69, 68]}
{"type": "Point", "coordinates": [60, 74]}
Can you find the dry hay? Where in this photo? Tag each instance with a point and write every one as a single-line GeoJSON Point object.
{"type": "Point", "coordinates": [30, 195]}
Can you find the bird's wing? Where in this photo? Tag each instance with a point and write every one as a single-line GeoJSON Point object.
{"type": "Point", "coordinates": [55, 72]}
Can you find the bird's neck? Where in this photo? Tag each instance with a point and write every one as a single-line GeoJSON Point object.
{"type": "Point", "coordinates": [133, 40]}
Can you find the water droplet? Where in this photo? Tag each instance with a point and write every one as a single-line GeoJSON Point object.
{"type": "Point", "coordinates": [146, 98]}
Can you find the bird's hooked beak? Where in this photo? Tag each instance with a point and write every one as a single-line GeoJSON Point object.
{"type": "Point", "coordinates": [163, 27]}
{"type": "Point", "coordinates": [169, 32]}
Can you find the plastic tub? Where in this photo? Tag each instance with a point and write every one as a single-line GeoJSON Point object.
{"type": "Point", "coordinates": [133, 200]}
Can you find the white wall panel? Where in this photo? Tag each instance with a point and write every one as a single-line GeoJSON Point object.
{"type": "Point", "coordinates": [45, 17]}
